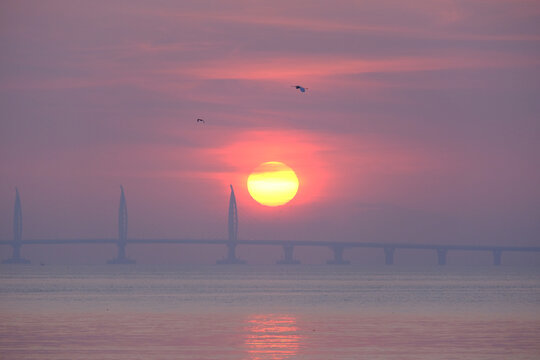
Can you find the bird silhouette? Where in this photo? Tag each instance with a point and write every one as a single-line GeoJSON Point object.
{"type": "Point", "coordinates": [201, 121]}
{"type": "Point", "coordinates": [301, 88]}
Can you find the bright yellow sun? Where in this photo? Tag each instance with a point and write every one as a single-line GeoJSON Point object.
{"type": "Point", "coordinates": [272, 184]}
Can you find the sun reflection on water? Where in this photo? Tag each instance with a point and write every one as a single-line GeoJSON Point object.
{"type": "Point", "coordinates": [272, 336]}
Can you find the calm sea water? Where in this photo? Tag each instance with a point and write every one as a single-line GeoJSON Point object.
{"type": "Point", "coordinates": [268, 312]}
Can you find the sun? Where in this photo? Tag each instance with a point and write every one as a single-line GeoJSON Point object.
{"type": "Point", "coordinates": [272, 184]}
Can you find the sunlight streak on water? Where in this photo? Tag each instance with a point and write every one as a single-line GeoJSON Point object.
{"type": "Point", "coordinates": [272, 337]}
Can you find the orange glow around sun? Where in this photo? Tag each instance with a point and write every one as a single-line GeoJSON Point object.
{"type": "Point", "coordinates": [306, 153]}
{"type": "Point", "coordinates": [272, 184]}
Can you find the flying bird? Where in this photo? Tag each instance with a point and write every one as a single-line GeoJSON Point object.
{"type": "Point", "coordinates": [301, 88]}
{"type": "Point", "coordinates": [201, 121]}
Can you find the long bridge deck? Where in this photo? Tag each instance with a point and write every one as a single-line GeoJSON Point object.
{"type": "Point", "coordinates": [232, 241]}
{"type": "Point", "coordinates": [288, 247]}
{"type": "Point", "coordinates": [330, 244]}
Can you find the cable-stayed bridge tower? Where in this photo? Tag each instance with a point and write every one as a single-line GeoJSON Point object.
{"type": "Point", "coordinates": [122, 232]}
{"type": "Point", "coordinates": [232, 227]}
{"type": "Point", "coordinates": [17, 233]}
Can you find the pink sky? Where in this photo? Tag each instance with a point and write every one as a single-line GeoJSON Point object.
{"type": "Point", "coordinates": [420, 123]}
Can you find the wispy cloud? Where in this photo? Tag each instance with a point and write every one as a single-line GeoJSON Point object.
{"type": "Point", "coordinates": [283, 68]}
{"type": "Point", "coordinates": [442, 20]}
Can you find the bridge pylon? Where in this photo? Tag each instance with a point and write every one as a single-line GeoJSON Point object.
{"type": "Point", "coordinates": [497, 254]}
{"type": "Point", "coordinates": [122, 232]}
{"type": "Point", "coordinates": [441, 256]}
{"type": "Point", "coordinates": [288, 258]}
{"type": "Point", "coordinates": [389, 255]}
{"type": "Point", "coordinates": [232, 228]}
{"type": "Point", "coordinates": [17, 233]}
{"type": "Point", "coordinates": [338, 256]}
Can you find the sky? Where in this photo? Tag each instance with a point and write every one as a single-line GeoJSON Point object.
{"type": "Point", "coordinates": [420, 122]}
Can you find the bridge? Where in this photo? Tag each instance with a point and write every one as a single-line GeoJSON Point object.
{"type": "Point", "coordinates": [232, 241]}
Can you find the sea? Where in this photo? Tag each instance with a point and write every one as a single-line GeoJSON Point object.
{"type": "Point", "coordinates": [274, 312]}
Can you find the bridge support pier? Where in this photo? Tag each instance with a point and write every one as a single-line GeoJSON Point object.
{"type": "Point", "coordinates": [288, 256]}
{"type": "Point", "coordinates": [338, 256]}
{"type": "Point", "coordinates": [497, 257]}
{"type": "Point", "coordinates": [389, 255]}
{"type": "Point", "coordinates": [441, 256]}
{"type": "Point", "coordinates": [16, 256]}
{"type": "Point", "coordinates": [231, 256]}
{"type": "Point", "coordinates": [121, 257]}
